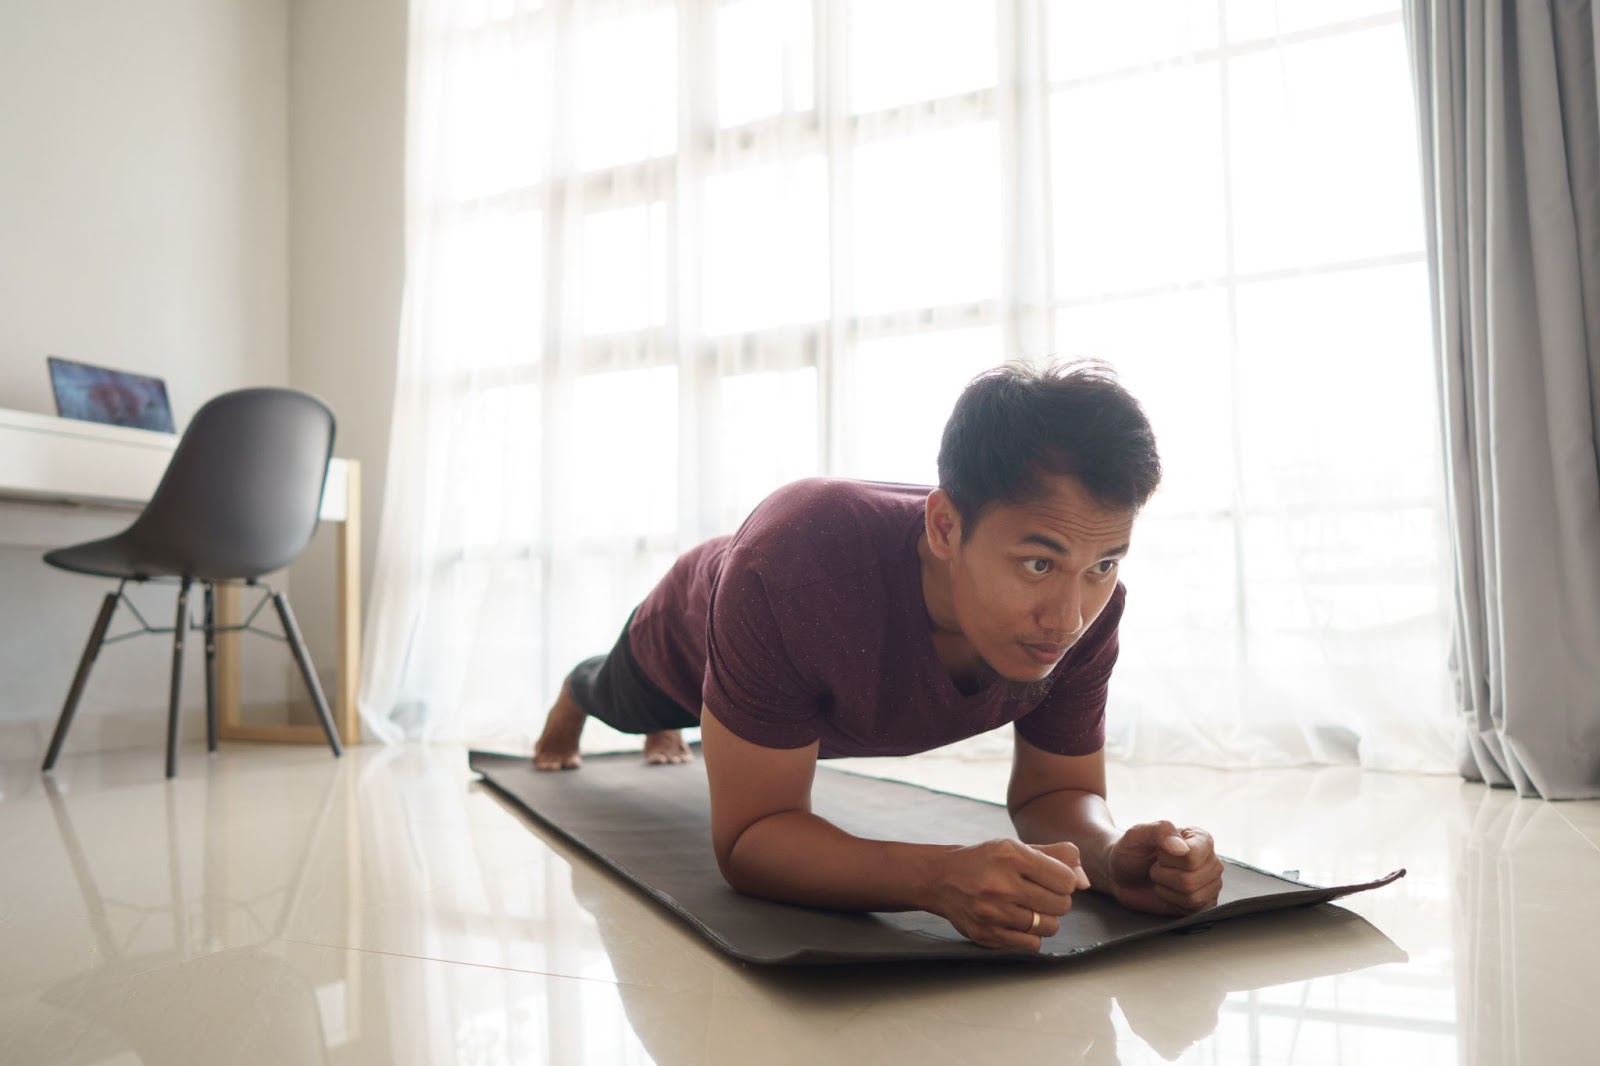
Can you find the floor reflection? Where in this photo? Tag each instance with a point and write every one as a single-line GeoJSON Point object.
{"type": "Point", "coordinates": [1169, 991]}
{"type": "Point", "coordinates": [270, 906]}
{"type": "Point", "coordinates": [179, 920]}
{"type": "Point", "coordinates": [1524, 891]}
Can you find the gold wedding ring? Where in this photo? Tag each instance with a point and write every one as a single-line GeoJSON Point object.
{"type": "Point", "coordinates": [1034, 928]}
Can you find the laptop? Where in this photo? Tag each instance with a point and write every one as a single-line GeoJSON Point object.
{"type": "Point", "coordinates": [113, 397]}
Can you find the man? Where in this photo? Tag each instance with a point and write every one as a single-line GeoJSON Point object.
{"type": "Point", "coordinates": [857, 618]}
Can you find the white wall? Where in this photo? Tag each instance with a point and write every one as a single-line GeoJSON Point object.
{"type": "Point", "coordinates": [143, 195]}
{"type": "Point", "coordinates": [143, 224]}
{"type": "Point", "coordinates": [210, 191]}
{"type": "Point", "coordinates": [347, 95]}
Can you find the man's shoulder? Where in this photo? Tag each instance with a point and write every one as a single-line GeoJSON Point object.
{"type": "Point", "coordinates": [822, 527]}
{"type": "Point", "coordinates": [828, 497]}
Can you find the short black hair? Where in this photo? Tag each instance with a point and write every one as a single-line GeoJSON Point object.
{"type": "Point", "coordinates": [1017, 424]}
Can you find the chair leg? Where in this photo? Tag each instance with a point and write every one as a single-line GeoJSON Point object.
{"type": "Point", "coordinates": [298, 645]}
{"type": "Point", "coordinates": [179, 631]}
{"type": "Point", "coordinates": [211, 667]}
{"type": "Point", "coordinates": [91, 651]}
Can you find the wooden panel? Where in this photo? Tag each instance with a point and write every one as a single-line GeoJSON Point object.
{"type": "Point", "coordinates": [227, 660]}
{"type": "Point", "coordinates": [348, 675]}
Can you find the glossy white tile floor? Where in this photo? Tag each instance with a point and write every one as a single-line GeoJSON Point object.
{"type": "Point", "coordinates": [275, 906]}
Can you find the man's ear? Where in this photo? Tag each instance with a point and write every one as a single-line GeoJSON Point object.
{"type": "Point", "coordinates": [943, 525]}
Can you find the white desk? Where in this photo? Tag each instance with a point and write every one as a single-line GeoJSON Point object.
{"type": "Point", "coordinates": [45, 459]}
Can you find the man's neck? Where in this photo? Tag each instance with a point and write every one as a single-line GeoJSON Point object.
{"type": "Point", "coordinates": [956, 653]}
{"type": "Point", "coordinates": [936, 596]}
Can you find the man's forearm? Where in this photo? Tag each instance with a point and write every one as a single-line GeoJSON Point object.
{"type": "Point", "coordinates": [797, 857]}
{"type": "Point", "coordinates": [1073, 815]}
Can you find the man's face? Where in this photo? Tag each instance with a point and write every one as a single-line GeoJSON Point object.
{"type": "Point", "coordinates": [1031, 578]}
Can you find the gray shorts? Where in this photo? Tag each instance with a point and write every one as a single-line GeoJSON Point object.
{"type": "Point", "coordinates": [613, 689]}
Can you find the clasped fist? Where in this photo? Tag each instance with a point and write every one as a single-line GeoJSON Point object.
{"type": "Point", "coordinates": [1007, 894]}
{"type": "Point", "coordinates": [1161, 869]}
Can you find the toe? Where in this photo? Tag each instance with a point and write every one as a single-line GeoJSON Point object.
{"type": "Point", "coordinates": [556, 761]}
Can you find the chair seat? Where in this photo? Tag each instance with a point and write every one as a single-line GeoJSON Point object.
{"type": "Point", "coordinates": [118, 556]}
{"type": "Point", "coordinates": [124, 557]}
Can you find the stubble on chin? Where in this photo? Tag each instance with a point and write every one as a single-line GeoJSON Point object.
{"type": "Point", "coordinates": [1021, 691]}
{"type": "Point", "coordinates": [1029, 691]}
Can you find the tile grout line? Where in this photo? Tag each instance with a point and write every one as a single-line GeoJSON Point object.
{"type": "Point", "coordinates": [453, 962]}
{"type": "Point", "coordinates": [1595, 844]}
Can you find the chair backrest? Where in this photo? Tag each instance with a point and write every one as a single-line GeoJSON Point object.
{"type": "Point", "coordinates": [244, 488]}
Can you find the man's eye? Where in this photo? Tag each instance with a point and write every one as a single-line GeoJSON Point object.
{"type": "Point", "coordinates": [1105, 566]}
{"type": "Point", "coordinates": [1037, 566]}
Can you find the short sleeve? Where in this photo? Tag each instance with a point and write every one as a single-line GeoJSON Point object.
{"type": "Point", "coordinates": [1071, 720]}
{"type": "Point", "coordinates": [751, 685]}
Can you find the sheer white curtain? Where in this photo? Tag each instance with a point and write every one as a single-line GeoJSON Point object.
{"type": "Point", "coordinates": [666, 256]}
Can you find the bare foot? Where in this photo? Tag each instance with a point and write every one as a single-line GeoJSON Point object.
{"type": "Point", "coordinates": [557, 746]}
{"type": "Point", "coordinates": [666, 748]}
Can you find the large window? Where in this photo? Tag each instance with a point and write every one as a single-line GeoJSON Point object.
{"type": "Point", "coordinates": [677, 254]}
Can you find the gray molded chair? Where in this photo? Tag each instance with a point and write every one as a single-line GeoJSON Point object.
{"type": "Point", "coordinates": [239, 499]}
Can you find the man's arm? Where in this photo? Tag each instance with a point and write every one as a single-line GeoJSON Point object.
{"type": "Point", "coordinates": [1154, 867]}
{"type": "Point", "coordinates": [769, 844]}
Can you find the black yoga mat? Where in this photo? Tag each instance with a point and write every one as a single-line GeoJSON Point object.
{"type": "Point", "coordinates": [652, 825]}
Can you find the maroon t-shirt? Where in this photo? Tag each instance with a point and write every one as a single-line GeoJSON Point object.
{"type": "Point", "coordinates": [809, 624]}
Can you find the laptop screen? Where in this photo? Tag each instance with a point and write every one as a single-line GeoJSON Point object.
{"type": "Point", "coordinates": [114, 397]}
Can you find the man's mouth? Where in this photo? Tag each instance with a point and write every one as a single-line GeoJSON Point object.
{"type": "Point", "coordinates": [1046, 653]}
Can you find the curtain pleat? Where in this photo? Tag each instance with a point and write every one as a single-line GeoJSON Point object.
{"type": "Point", "coordinates": [1511, 148]}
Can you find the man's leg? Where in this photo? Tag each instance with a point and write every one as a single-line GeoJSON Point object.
{"type": "Point", "coordinates": [557, 746]}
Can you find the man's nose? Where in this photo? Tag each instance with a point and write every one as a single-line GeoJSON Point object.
{"type": "Point", "coordinates": [1062, 616]}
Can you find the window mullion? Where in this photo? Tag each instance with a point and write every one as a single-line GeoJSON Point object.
{"type": "Point", "coordinates": [555, 398]}
{"type": "Point", "coordinates": [699, 436]}
{"type": "Point", "coordinates": [835, 347]}
{"type": "Point", "coordinates": [1235, 386]}
{"type": "Point", "coordinates": [1021, 111]}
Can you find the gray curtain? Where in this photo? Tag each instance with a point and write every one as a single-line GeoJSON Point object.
{"type": "Point", "coordinates": [1506, 95]}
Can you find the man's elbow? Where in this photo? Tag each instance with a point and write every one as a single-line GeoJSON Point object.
{"type": "Point", "coordinates": [736, 870]}
{"type": "Point", "coordinates": [733, 862]}
{"type": "Point", "coordinates": [1016, 805]}
{"type": "Point", "coordinates": [725, 865]}
{"type": "Point", "coordinates": [738, 855]}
